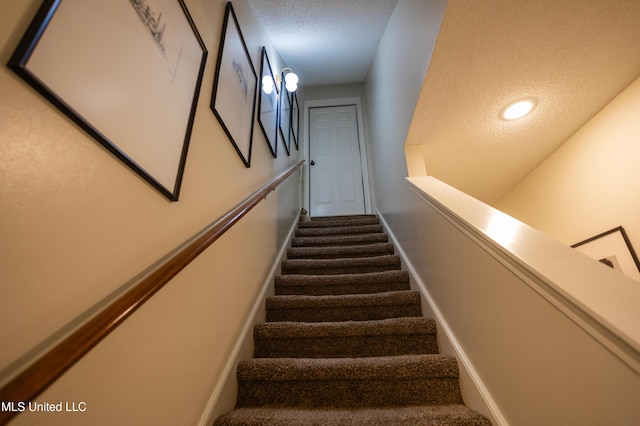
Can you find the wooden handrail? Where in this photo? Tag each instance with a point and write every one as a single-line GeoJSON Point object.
{"type": "Point", "coordinates": [52, 364]}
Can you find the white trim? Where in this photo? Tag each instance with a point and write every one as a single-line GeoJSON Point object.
{"type": "Point", "coordinates": [460, 353]}
{"type": "Point", "coordinates": [361, 141]}
{"type": "Point", "coordinates": [611, 336]}
{"type": "Point", "coordinates": [207, 416]}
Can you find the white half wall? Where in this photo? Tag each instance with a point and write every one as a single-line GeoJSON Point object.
{"type": "Point", "coordinates": [548, 336]}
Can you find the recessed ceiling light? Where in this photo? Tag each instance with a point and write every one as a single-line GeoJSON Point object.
{"type": "Point", "coordinates": [518, 109]}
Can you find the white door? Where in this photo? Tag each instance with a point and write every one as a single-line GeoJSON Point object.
{"type": "Point", "coordinates": [335, 168]}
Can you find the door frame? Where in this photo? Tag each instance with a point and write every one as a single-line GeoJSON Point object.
{"type": "Point", "coordinates": [336, 102]}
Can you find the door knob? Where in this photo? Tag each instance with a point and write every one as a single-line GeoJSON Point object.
{"type": "Point", "coordinates": [313, 163]}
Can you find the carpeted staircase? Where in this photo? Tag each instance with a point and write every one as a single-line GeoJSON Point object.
{"type": "Point", "coordinates": [345, 342]}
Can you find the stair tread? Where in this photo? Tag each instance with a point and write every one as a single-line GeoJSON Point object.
{"type": "Point", "coordinates": [398, 326]}
{"type": "Point", "coordinates": [456, 414]}
{"type": "Point", "coordinates": [367, 369]}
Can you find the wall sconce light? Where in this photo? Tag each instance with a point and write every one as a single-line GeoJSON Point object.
{"type": "Point", "coordinates": [290, 79]}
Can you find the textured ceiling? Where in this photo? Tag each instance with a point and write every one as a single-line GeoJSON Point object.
{"type": "Point", "coordinates": [573, 56]}
{"type": "Point", "coordinates": [325, 41]}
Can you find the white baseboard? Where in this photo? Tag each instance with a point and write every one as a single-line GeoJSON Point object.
{"type": "Point", "coordinates": [208, 416]}
{"type": "Point", "coordinates": [490, 408]}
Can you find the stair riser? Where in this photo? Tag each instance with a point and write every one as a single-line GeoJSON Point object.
{"type": "Point", "coordinates": [341, 266]}
{"type": "Point", "coordinates": [338, 289]}
{"type": "Point", "coordinates": [338, 253]}
{"type": "Point", "coordinates": [347, 217]}
{"type": "Point", "coordinates": [349, 393]}
{"type": "Point", "coordinates": [332, 285]}
{"type": "Point", "coordinates": [346, 347]}
{"type": "Point", "coordinates": [347, 240]}
{"type": "Point", "coordinates": [341, 230]}
{"type": "Point", "coordinates": [346, 313]}
{"type": "Point", "coordinates": [338, 256]}
{"type": "Point", "coordinates": [339, 270]}
{"type": "Point", "coordinates": [339, 222]}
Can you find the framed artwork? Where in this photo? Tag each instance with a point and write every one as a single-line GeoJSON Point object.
{"type": "Point", "coordinates": [613, 249]}
{"type": "Point", "coordinates": [295, 118]}
{"type": "Point", "coordinates": [285, 116]}
{"type": "Point", "coordinates": [234, 89]}
{"type": "Point", "coordinates": [128, 73]}
{"type": "Point", "coordinates": [268, 104]}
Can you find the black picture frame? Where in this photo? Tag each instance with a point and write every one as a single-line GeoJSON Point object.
{"type": "Point", "coordinates": [268, 105]}
{"type": "Point", "coordinates": [284, 121]}
{"type": "Point", "coordinates": [295, 119]}
{"type": "Point", "coordinates": [233, 100]}
{"type": "Point", "coordinates": [134, 91]}
{"type": "Point", "coordinates": [612, 248]}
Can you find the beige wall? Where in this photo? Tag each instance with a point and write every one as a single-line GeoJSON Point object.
{"type": "Point", "coordinates": [591, 184]}
{"type": "Point", "coordinates": [76, 224]}
{"type": "Point", "coordinates": [393, 86]}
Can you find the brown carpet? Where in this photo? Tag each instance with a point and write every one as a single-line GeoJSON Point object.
{"type": "Point", "coordinates": [345, 342]}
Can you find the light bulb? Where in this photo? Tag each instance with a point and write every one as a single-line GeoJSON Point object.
{"type": "Point", "coordinates": [291, 78]}
{"type": "Point", "coordinates": [291, 82]}
{"type": "Point", "coordinates": [518, 109]}
{"type": "Point", "coordinates": [267, 84]}
{"type": "Point", "coordinates": [291, 87]}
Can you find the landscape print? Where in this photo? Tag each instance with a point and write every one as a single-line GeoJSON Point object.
{"type": "Point", "coordinates": [152, 16]}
